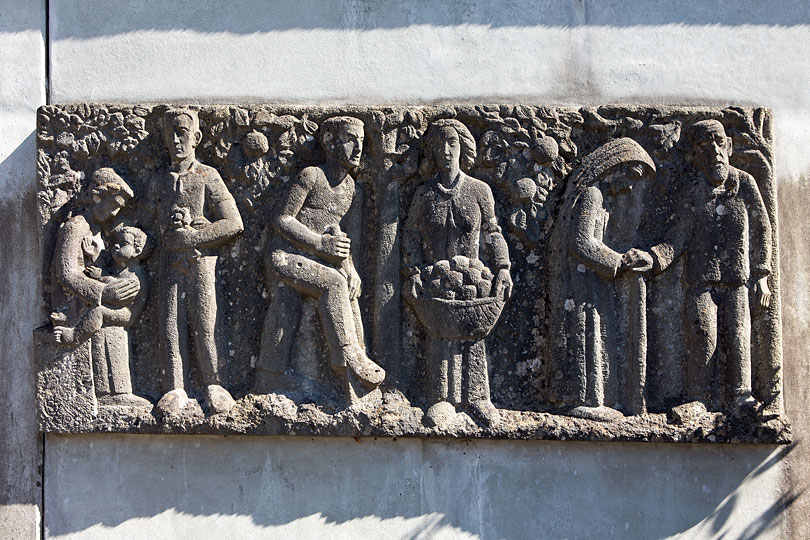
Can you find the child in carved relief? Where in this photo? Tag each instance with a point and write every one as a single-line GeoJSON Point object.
{"type": "Point", "coordinates": [127, 252]}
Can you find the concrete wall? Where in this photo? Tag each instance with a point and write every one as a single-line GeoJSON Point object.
{"type": "Point", "coordinates": [287, 487]}
{"type": "Point", "coordinates": [398, 51]}
{"type": "Point", "coordinates": [22, 90]}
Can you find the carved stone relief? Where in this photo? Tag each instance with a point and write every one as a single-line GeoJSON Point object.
{"type": "Point", "coordinates": [465, 271]}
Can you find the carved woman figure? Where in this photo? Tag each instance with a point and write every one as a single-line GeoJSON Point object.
{"type": "Point", "coordinates": [596, 306]}
{"type": "Point", "coordinates": [450, 215]}
{"type": "Point", "coordinates": [79, 293]}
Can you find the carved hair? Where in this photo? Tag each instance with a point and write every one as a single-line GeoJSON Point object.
{"type": "Point", "coordinates": [104, 181]}
{"type": "Point", "coordinates": [331, 127]}
{"type": "Point", "coordinates": [465, 139]}
{"type": "Point", "coordinates": [172, 114]}
{"type": "Point", "coordinates": [139, 239]}
{"type": "Point", "coordinates": [704, 126]}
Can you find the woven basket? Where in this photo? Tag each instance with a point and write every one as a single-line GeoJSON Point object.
{"type": "Point", "coordinates": [457, 320]}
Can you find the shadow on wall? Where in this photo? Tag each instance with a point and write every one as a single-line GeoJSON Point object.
{"type": "Point", "coordinates": [250, 16]}
{"type": "Point", "coordinates": [19, 300]}
{"type": "Point", "coordinates": [409, 488]}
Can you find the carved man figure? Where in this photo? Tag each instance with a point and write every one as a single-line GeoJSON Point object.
{"type": "Point", "coordinates": [79, 296]}
{"type": "Point", "coordinates": [188, 293]}
{"type": "Point", "coordinates": [726, 237]}
{"type": "Point", "coordinates": [308, 254]}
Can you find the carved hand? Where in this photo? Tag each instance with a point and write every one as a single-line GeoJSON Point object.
{"type": "Point", "coordinates": [120, 291]}
{"type": "Point", "coordinates": [763, 292]}
{"type": "Point", "coordinates": [180, 239]}
{"type": "Point", "coordinates": [91, 247]}
{"type": "Point", "coordinates": [636, 260]}
{"type": "Point", "coordinates": [413, 287]}
{"type": "Point", "coordinates": [503, 284]}
{"type": "Point", "coordinates": [354, 282]}
{"type": "Point", "coordinates": [335, 247]}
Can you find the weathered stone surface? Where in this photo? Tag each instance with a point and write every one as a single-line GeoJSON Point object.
{"type": "Point", "coordinates": [688, 412]}
{"type": "Point", "coordinates": [468, 271]}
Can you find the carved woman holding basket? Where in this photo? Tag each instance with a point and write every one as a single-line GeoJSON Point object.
{"type": "Point", "coordinates": [455, 295]}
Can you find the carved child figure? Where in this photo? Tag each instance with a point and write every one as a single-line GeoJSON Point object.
{"type": "Point", "coordinates": [127, 252]}
{"type": "Point", "coordinates": [725, 235]}
{"type": "Point", "coordinates": [188, 292]}
{"type": "Point", "coordinates": [309, 255]}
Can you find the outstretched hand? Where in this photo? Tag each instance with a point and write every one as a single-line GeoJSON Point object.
{"type": "Point", "coordinates": [637, 261]}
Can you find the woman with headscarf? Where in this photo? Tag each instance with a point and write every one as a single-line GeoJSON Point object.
{"type": "Point", "coordinates": [596, 308]}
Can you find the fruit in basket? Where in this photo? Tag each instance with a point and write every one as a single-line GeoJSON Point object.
{"type": "Point", "coordinates": [459, 278]}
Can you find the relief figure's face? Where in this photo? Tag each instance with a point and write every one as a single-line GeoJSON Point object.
{"type": "Point", "coordinates": [182, 138]}
{"type": "Point", "coordinates": [107, 205]}
{"type": "Point", "coordinates": [447, 149]}
{"type": "Point", "coordinates": [124, 248]}
{"type": "Point", "coordinates": [624, 178]}
{"type": "Point", "coordinates": [711, 152]}
{"type": "Point", "coordinates": [349, 146]}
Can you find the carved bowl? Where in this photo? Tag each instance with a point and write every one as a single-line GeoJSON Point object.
{"type": "Point", "coordinates": [457, 320]}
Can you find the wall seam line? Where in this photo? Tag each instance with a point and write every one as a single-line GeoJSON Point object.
{"type": "Point", "coordinates": [47, 37]}
{"type": "Point", "coordinates": [47, 52]}
{"type": "Point", "coordinates": [42, 495]}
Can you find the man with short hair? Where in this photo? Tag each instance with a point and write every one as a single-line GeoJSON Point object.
{"type": "Point", "coordinates": [726, 235]}
{"type": "Point", "coordinates": [309, 254]}
{"type": "Point", "coordinates": [188, 294]}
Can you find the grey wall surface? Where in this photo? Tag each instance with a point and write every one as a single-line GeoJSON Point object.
{"type": "Point", "coordinates": [579, 52]}
{"type": "Point", "coordinates": [287, 487]}
{"type": "Point", "coordinates": [22, 90]}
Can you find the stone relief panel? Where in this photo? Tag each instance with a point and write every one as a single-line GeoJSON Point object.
{"type": "Point", "coordinates": [505, 271]}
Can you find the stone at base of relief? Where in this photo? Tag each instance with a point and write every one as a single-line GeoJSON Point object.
{"type": "Point", "coordinates": [217, 399]}
{"type": "Point", "coordinates": [687, 412]}
{"type": "Point", "coordinates": [746, 407]}
{"type": "Point", "coordinates": [440, 415]}
{"type": "Point", "coordinates": [124, 400]}
{"type": "Point", "coordinates": [773, 409]}
{"type": "Point", "coordinates": [600, 414]}
{"type": "Point", "coordinates": [64, 384]}
{"type": "Point", "coordinates": [175, 407]}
